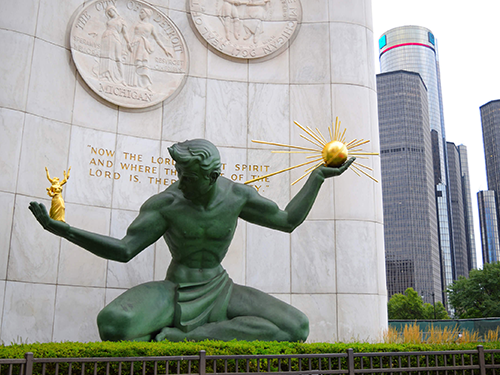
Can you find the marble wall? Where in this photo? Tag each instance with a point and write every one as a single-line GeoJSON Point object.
{"type": "Point", "coordinates": [332, 267]}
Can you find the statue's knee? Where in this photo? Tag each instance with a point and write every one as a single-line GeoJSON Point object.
{"type": "Point", "coordinates": [114, 325]}
{"type": "Point", "coordinates": [300, 328]}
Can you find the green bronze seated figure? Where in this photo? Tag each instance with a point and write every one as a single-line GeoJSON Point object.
{"type": "Point", "coordinates": [197, 217]}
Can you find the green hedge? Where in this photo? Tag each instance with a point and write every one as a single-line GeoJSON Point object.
{"type": "Point", "coordinates": [130, 349]}
{"type": "Point", "coordinates": [134, 349]}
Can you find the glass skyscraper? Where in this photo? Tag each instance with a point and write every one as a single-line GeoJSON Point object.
{"type": "Point", "coordinates": [457, 208]}
{"type": "Point", "coordinates": [468, 214]}
{"type": "Point", "coordinates": [410, 221]}
{"type": "Point", "coordinates": [488, 220]}
{"type": "Point", "coordinates": [414, 49]}
{"type": "Point", "coordinates": [490, 121]}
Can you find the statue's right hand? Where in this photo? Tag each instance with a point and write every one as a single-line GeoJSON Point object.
{"type": "Point", "coordinates": [58, 228]}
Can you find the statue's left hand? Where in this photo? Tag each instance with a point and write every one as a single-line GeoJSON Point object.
{"type": "Point", "coordinates": [58, 228]}
{"type": "Point", "coordinates": [328, 172]}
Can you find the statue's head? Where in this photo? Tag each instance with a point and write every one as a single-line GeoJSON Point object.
{"type": "Point", "coordinates": [196, 158]}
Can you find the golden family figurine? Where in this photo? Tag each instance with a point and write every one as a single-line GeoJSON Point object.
{"type": "Point", "coordinates": [57, 208]}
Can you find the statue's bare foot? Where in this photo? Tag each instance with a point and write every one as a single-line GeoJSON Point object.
{"type": "Point", "coordinates": [170, 334]}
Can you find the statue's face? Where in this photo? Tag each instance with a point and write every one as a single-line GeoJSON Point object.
{"type": "Point", "coordinates": [193, 181]}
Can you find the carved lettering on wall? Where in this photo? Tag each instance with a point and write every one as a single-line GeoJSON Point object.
{"type": "Point", "coordinates": [132, 167]}
{"type": "Point", "coordinates": [128, 52]}
{"type": "Point", "coordinates": [247, 29]}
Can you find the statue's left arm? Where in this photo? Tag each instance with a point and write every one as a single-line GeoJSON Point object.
{"type": "Point", "coordinates": [262, 211]}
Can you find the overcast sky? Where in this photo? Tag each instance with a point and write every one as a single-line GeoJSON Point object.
{"type": "Point", "coordinates": [468, 36]}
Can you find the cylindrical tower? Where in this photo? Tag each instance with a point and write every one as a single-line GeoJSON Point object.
{"type": "Point", "coordinates": [414, 48]}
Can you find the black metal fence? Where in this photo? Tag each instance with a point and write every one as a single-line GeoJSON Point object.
{"type": "Point", "coordinates": [479, 361]}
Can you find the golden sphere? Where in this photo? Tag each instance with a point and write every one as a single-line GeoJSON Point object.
{"type": "Point", "coordinates": [334, 154]}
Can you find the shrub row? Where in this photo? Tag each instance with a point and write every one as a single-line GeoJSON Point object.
{"type": "Point", "coordinates": [136, 349]}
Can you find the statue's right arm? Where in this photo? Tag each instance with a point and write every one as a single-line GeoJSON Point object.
{"type": "Point", "coordinates": [146, 229]}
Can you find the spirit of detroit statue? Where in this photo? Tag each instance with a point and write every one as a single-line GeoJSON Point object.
{"type": "Point", "coordinates": [197, 217]}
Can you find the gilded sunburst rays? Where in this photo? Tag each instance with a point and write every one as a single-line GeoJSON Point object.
{"type": "Point", "coordinates": [331, 153]}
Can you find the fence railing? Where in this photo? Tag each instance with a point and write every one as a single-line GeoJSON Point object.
{"type": "Point", "coordinates": [480, 361]}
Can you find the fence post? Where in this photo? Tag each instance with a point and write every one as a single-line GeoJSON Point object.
{"type": "Point", "coordinates": [28, 369]}
{"type": "Point", "coordinates": [202, 367]}
{"type": "Point", "coordinates": [482, 363]}
{"type": "Point", "coordinates": [350, 361]}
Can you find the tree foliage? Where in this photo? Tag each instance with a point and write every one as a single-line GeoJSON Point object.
{"type": "Point", "coordinates": [479, 295]}
{"type": "Point", "coordinates": [411, 306]}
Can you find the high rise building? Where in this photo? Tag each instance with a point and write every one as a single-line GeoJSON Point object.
{"type": "Point", "coordinates": [488, 220]}
{"type": "Point", "coordinates": [458, 227]}
{"type": "Point", "coordinates": [414, 49]}
{"type": "Point", "coordinates": [490, 121]}
{"type": "Point", "coordinates": [468, 214]}
{"type": "Point", "coordinates": [410, 230]}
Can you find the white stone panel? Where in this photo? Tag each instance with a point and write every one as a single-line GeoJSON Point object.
{"type": "Point", "coordinates": [233, 161]}
{"type": "Point", "coordinates": [184, 115]}
{"type": "Point", "coordinates": [19, 15]}
{"type": "Point", "coordinates": [351, 106]}
{"type": "Point", "coordinates": [321, 309]}
{"type": "Point", "coordinates": [136, 155]}
{"type": "Point", "coordinates": [268, 114]}
{"type": "Point", "coordinates": [197, 47]}
{"type": "Point", "coordinates": [268, 259]}
{"type": "Point", "coordinates": [34, 252]}
{"type": "Point", "coordinates": [91, 111]}
{"type": "Point", "coordinates": [145, 123]}
{"type": "Point", "coordinates": [76, 313]}
{"type": "Point", "coordinates": [368, 16]}
{"type": "Point", "coordinates": [349, 55]}
{"type": "Point", "coordinates": [357, 261]}
{"type": "Point", "coordinates": [323, 208]}
{"type": "Point", "coordinates": [234, 262]}
{"type": "Point", "coordinates": [28, 312]}
{"type": "Point", "coordinates": [226, 68]}
{"type": "Point", "coordinates": [138, 270]}
{"type": "Point", "coordinates": [45, 144]}
{"type": "Point", "coordinates": [78, 266]}
{"type": "Point", "coordinates": [285, 297]}
{"type": "Point", "coordinates": [6, 217]}
{"type": "Point", "coordinates": [112, 294]}
{"type": "Point", "coordinates": [310, 105]}
{"type": "Point", "coordinates": [226, 117]}
{"type": "Point", "coordinates": [11, 133]}
{"type": "Point", "coordinates": [273, 70]}
{"type": "Point", "coordinates": [380, 269]}
{"type": "Point", "coordinates": [178, 5]}
{"type": "Point", "coordinates": [313, 258]}
{"type": "Point", "coordinates": [276, 188]}
{"type": "Point", "coordinates": [2, 295]}
{"type": "Point", "coordinates": [359, 317]}
{"type": "Point", "coordinates": [370, 48]}
{"type": "Point", "coordinates": [15, 60]}
{"type": "Point", "coordinates": [87, 149]}
{"type": "Point", "coordinates": [315, 11]}
{"type": "Point", "coordinates": [52, 82]}
{"type": "Point", "coordinates": [348, 11]}
{"type": "Point", "coordinates": [375, 147]}
{"type": "Point", "coordinates": [54, 20]}
{"type": "Point", "coordinates": [354, 195]}
{"type": "Point", "coordinates": [308, 61]}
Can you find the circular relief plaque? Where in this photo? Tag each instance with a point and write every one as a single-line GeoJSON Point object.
{"type": "Point", "coordinates": [128, 52]}
{"type": "Point", "coordinates": [247, 29]}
